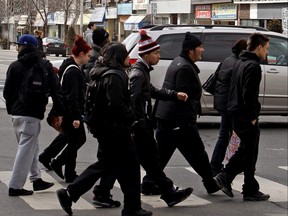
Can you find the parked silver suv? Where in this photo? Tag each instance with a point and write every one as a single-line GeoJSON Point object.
{"type": "Point", "coordinates": [218, 41]}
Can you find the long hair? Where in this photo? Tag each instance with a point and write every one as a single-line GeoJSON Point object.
{"type": "Point", "coordinates": [80, 45]}
{"type": "Point", "coordinates": [114, 53]}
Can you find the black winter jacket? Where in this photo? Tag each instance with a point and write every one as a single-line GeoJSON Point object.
{"type": "Point", "coordinates": [142, 91]}
{"type": "Point", "coordinates": [222, 85]}
{"type": "Point", "coordinates": [115, 96]}
{"type": "Point", "coordinates": [87, 67]}
{"type": "Point", "coordinates": [14, 79]}
{"type": "Point", "coordinates": [181, 75]}
{"type": "Point", "coordinates": [73, 88]}
{"type": "Point", "coordinates": [244, 90]}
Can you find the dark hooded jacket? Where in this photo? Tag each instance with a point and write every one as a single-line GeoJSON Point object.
{"type": "Point", "coordinates": [73, 88]}
{"type": "Point", "coordinates": [181, 75]}
{"type": "Point", "coordinates": [114, 109]}
{"type": "Point", "coordinates": [244, 90]}
{"type": "Point", "coordinates": [14, 79]}
{"type": "Point", "coordinates": [222, 84]}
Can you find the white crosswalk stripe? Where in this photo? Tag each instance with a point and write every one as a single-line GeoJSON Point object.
{"type": "Point", "coordinates": [283, 167]}
{"type": "Point", "coordinates": [156, 202]}
{"type": "Point", "coordinates": [47, 200]}
{"type": "Point", "coordinates": [278, 192]}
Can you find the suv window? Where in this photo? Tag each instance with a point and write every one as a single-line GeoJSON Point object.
{"type": "Point", "coordinates": [277, 51]}
{"type": "Point", "coordinates": [218, 46]}
{"type": "Point", "coordinates": [171, 45]}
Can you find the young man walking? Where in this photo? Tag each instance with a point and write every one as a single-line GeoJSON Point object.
{"type": "Point", "coordinates": [245, 108]}
{"type": "Point", "coordinates": [27, 115]}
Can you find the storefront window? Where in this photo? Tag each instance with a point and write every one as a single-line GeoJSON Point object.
{"type": "Point", "coordinates": [159, 20]}
{"type": "Point", "coordinates": [184, 18]}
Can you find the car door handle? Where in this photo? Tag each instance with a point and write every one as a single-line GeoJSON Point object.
{"type": "Point", "coordinates": [272, 71]}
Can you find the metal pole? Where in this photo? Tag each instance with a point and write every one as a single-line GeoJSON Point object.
{"type": "Point", "coordinates": [81, 17]}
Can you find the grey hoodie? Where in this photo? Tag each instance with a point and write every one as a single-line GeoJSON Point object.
{"type": "Point", "coordinates": [88, 36]}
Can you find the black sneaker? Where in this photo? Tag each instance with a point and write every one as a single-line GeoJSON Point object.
{"type": "Point", "coordinates": [57, 169]}
{"type": "Point", "coordinates": [259, 196]}
{"type": "Point", "coordinates": [19, 192]}
{"type": "Point", "coordinates": [39, 184]}
{"type": "Point", "coordinates": [65, 201]}
{"type": "Point", "coordinates": [140, 212]}
{"type": "Point", "coordinates": [105, 202]}
{"type": "Point", "coordinates": [223, 184]}
{"type": "Point", "coordinates": [177, 196]}
{"type": "Point", "coordinates": [150, 189]}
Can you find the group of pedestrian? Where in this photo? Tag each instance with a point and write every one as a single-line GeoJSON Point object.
{"type": "Point", "coordinates": [127, 119]}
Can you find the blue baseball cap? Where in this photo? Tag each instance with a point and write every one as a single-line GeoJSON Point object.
{"type": "Point", "coordinates": [27, 39]}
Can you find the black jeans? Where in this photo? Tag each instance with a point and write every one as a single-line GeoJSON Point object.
{"type": "Point", "coordinates": [76, 138]}
{"type": "Point", "coordinates": [185, 138]}
{"type": "Point", "coordinates": [219, 152]}
{"type": "Point", "coordinates": [245, 158]}
{"type": "Point", "coordinates": [56, 146]}
{"type": "Point", "coordinates": [149, 159]}
{"type": "Point", "coordinates": [119, 156]}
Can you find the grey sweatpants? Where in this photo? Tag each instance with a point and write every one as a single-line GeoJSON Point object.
{"type": "Point", "coordinates": [27, 130]}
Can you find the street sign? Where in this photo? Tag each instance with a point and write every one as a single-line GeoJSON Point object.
{"type": "Point", "coordinates": [154, 8]}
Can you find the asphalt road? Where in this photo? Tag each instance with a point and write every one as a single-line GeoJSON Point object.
{"type": "Point", "coordinates": [271, 172]}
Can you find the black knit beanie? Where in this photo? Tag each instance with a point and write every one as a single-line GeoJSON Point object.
{"type": "Point", "coordinates": [99, 35]}
{"type": "Point", "coordinates": [190, 42]}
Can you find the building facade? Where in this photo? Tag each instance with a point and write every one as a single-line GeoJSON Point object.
{"type": "Point", "coordinates": [120, 17]}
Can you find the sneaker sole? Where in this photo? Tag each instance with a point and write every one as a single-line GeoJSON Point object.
{"type": "Point", "coordinates": [255, 199]}
{"type": "Point", "coordinates": [105, 205]}
{"type": "Point", "coordinates": [171, 204]}
{"type": "Point", "coordinates": [223, 188]}
{"type": "Point", "coordinates": [15, 195]}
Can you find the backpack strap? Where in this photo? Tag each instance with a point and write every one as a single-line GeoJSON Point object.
{"type": "Point", "coordinates": [69, 66]}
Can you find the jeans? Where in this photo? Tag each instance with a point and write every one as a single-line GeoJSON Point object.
{"type": "Point", "coordinates": [219, 152]}
{"type": "Point", "coordinates": [187, 140]}
{"type": "Point", "coordinates": [245, 158]}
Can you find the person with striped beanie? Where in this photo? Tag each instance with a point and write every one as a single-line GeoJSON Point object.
{"type": "Point", "coordinates": [141, 93]}
{"type": "Point", "coordinates": [147, 44]}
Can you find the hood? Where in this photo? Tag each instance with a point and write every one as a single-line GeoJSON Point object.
{"type": "Point", "coordinates": [29, 55]}
{"type": "Point", "coordinates": [88, 31]}
{"type": "Point", "coordinates": [98, 69]}
{"type": "Point", "coordinates": [65, 64]}
{"type": "Point", "coordinates": [246, 55]}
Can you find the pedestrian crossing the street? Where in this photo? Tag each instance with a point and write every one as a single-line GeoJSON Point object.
{"type": "Point", "coordinates": [47, 200]}
{"type": "Point", "coordinates": [278, 192]}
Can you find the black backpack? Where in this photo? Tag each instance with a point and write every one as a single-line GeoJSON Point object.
{"type": "Point", "coordinates": [35, 86]}
{"type": "Point", "coordinates": [93, 97]}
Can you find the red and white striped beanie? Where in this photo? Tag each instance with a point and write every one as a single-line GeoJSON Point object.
{"type": "Point", "coordinates": [146, 44]}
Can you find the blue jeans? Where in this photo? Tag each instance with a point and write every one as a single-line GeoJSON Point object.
{"type": "Point", "coordinates": [226, 128]}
